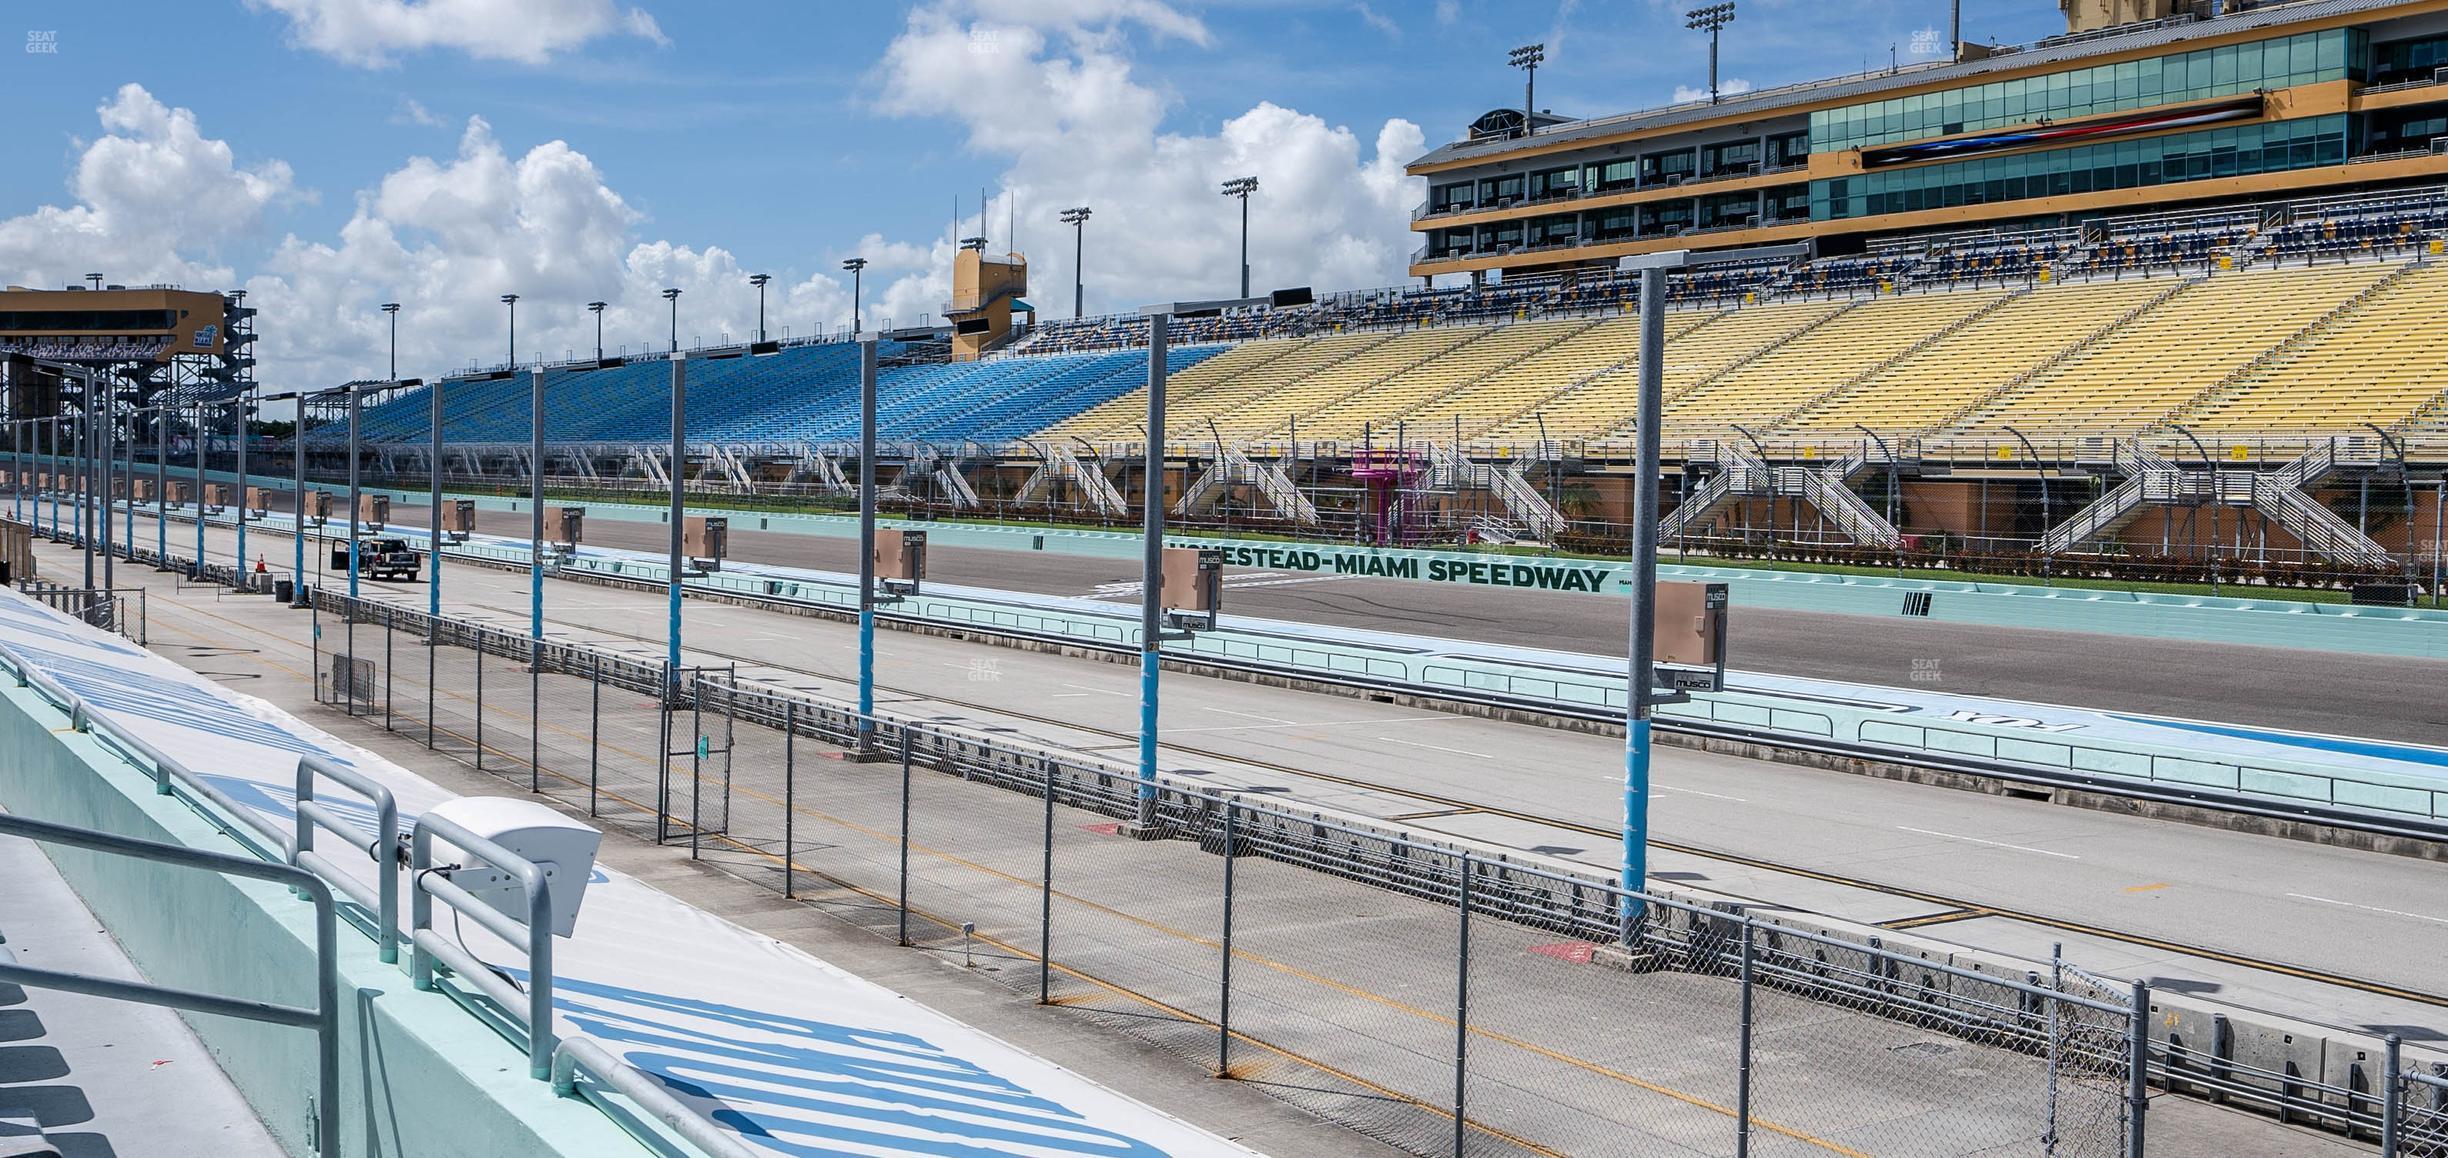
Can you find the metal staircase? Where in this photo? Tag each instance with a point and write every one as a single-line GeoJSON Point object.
{"type": "Point", "coordinates": [1056, 465]}
{"type": "Point", "coordinates": [2280, 495]}
{"type": "Point", "coordinates": [1233, 468]}
{"type": "Point", "coordinates": [1743, 475]}
{"type": "Point", "coordinates": [2151, 481]}
{"type": "Point", "coordinates": [1532, 515]}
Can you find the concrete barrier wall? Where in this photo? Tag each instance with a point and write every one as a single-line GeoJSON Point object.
{"type": "Point", "coordinates": [421, 1078]}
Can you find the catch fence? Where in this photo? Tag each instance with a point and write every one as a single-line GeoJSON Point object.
{"type": "Point", "coordinates": [1441, 999]}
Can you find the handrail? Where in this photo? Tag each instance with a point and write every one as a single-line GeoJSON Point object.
{"type": "Point", "coordinates": [323, 1017]}
{"type": "Point", "coordinates": [311, 813]}
{"type": "Point", "coordinates": [169, 776]}
{"type": "Point", "coordinates": [584, 1052]}
{"type": "Point", "coordinates": [426, 946]}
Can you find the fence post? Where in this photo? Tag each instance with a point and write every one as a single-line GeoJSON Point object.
{"type": "Point", "coordinates": [2137, 1077]}
{"type": "Point", "coordinates": [903, 932]}
{"type": "Point", "coordinates": [1742, 1072]}
{"type": "Point", "coordinates": [477, 637]}
{"type": "Point", "coordinates": [535, 714]}
{"type": "Point", "coordinates": [790, 768]}
{"type": "Point", "coordinates": [1461, 1052]}
{"type": "Point", "coordinates": [666, 696]}
{"type": "Point", "coordinates": [697, 695]}
{"type": "Point", "coordinates": [388, 626]}
{"type": "Point", "coordinates": [594, 727]}
{"type": "Point", "coordinates": [2048, 1135]}
{"type": "Point", "coordinates": [433, 698]}
{"type": "Point", "coordinates": [1232, 845]}
{"type": "Point", "coordinates": [1045, 898]}
{"type": "Point", "coordinates": [2392, 1076]}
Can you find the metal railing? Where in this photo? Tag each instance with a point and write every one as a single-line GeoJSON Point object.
{"type": "Point", "coordinates": [323, 1017]}
{"type": "Point", "coordinates": [1185, 928]}
{"type": "Point", "coordinates": [294, 860]}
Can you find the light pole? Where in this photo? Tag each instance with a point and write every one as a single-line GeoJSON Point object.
{"type": "Point", "coordinates": [84, 521]}
{"type": "Point", "coordinates": [867, 497]}
{"type": "Point", "coordinates": [1077, 219]}
{"type": "Point", "coordinates": [672, 295]}
{"type": "Point", "coordinates": [433, 500]}
{"type": "Point", "coordinates": [759, 280]}
{"type": "Point", "coordinates": [1242, 187]}
{"type": "Point", "coordinates": [1641, 690]}
{"type": "Point", "coordinates": [202, 440]}
{"type": "Point", "coordinates": [1711, 19]}
{"type": "Point", "coordinates": [354, 501]}
{"type": "Point", "coordinates": [678, 465]}
{"type": "Point", "coordinates": [1152, 517]}
{"type": "Point", "coordinates": [241, 404]}
{"type": "Point", "coordinates": [597, 309]}
{"type": "Point", "coordinates": [510, 300]}
{"type": "Point", "coordinates": [856, 266]}
{"type": "Point", "coordinates": [1527, 59]}
{"type": "Point", "coordinates": [535, 500]}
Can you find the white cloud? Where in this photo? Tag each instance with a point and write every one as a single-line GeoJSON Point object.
{"type": "Point", "coordinates": [1448, 11]}
{"type": "Point", "coordinates": [414, 112]}
{"type": "Point", "coordinates": [1055, 99]}
{"type": "Point", "coordinates": [374, 33]}
{"type": "Point", "coordinates": [1377, 20]}
{"type": "Point", "coordinates": [447, 238]}
{"type": "Point", "coordinates": [1726, 87]}
{"type": "Point", "coordinates": [151, 189]}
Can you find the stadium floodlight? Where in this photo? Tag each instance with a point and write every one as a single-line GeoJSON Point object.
{"type": "Point", "coordinates": [1712, 19]}
{"type": "Point", "coordinates": [758, 280]}
{"type": "Point", "coordinates": [672, 295]}
{"type": "Point", "coordinates": [96, 279]}
{"type": "Point", "coordinates": [1242, 187]}
{"type": "Point", "coordinates": [1077, 219]}
{"type": "Point", "coordinates": [597, 309]}
{"type": "Point", "coordinates": [855, 265]}
{"type": "Point", "coordinates": [1527, 58]}
{"type": "Point", "coordinates": [511, 300]}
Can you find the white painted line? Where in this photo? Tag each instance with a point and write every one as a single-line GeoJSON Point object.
{"type": "Point", "coordinates": [1436, 748]}
{"type": "Point", "coordinates": [1244, 715]}
{"type": "Point", "coordinates": [1991, 843]}
{"type": "Point", "coordinates": [1306, 724]}
{"type": "Point", "coordinates": [1095, 691]}
{"type": "Point", "coordinates": [2370, 908]}
{"type": "Point", "coordinates": [1697, 792]}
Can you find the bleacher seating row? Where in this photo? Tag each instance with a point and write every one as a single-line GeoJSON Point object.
{"type": "Point", "coordinates": [801, 394]}
{"type": "Point", "coordinates": [2213, 324]}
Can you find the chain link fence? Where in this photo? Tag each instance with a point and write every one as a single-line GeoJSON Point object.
{"type": "Point", "coordinates": [1444, 1001]}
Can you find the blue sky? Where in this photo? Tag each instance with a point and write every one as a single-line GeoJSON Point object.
{"type": "Point", "coordinates": [706, 139]}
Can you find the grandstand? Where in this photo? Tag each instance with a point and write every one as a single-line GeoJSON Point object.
{"type": "Point", "coordinates": [2314, 322]}
{"type": "Point", "coordinates": [2276, 328]}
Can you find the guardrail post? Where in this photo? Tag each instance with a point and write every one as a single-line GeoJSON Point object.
{"type": "Point", "coordinates": [2137, 1076]}
{"type": "Point", "coordinates": [2392, 1076]}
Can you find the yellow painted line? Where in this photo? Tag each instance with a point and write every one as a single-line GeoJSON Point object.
{"type": "Point", "coordinates": [2146, 888]}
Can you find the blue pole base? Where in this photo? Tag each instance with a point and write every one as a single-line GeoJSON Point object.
{"type": "Point", "coordinates": [1635, 825]}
